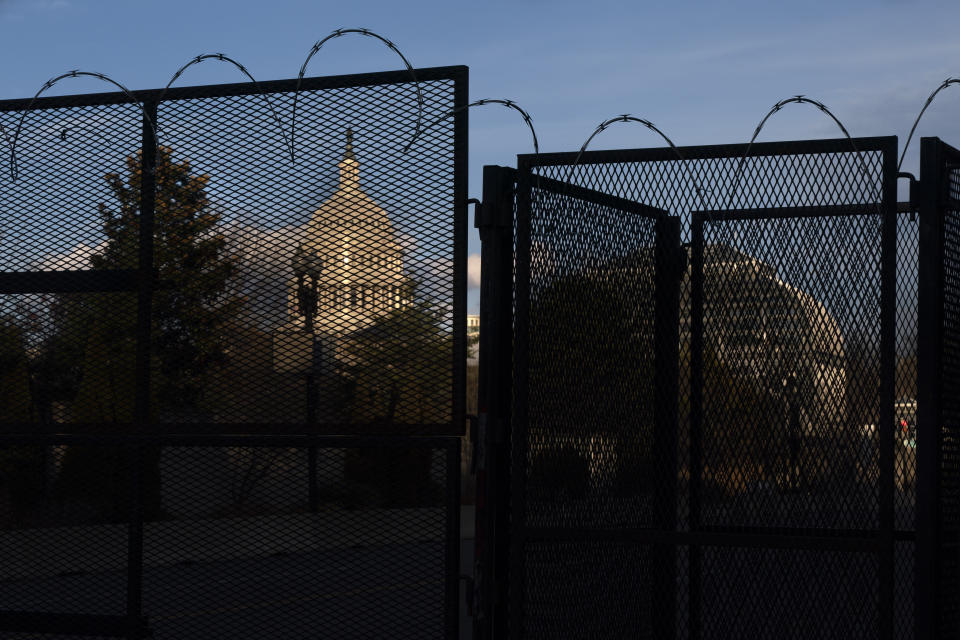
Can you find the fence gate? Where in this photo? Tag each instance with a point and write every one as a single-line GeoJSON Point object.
{"type": "Point", "coordinates": [938, 490]}
{"type": "Point", "coordinates": [232, 360]}
{"type": "Point", "coordinates": [704, 393]}
{"type": "Point", "coordinates": [594, 413]}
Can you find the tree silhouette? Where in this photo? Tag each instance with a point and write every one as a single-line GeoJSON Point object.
{"type": "Point", "coordinates": [400, 373]}
{"type": "Point", "coordinates": [191, 310]}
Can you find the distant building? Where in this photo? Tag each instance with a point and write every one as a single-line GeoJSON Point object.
{"type": "Point", "coordinates": [473, 332]}
{"type": "Point", "coordinates": [772, 335]}
{"type": "Point", "coordinates": [363, 270]}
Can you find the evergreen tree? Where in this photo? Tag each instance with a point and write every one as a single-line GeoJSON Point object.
{"type": "Point", "coordinates": [192, 308]}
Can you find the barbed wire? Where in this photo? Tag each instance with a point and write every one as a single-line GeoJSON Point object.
{"type": "Point", "coordinates": [225, 58]}
{"type": "Point", "coordinates": [626, 117]}
{"type": "Point", "coordinates": [14, 166]}
{"type": "Point", "coordinates": [943, 85]}
{"type": "Point", "coordinates": [337, 34]}
{"type": "Point", "coordinates": [799, 99]}
{"type": "Point", "coordinates": [479, 103]}
{"type": "Point", "coordinates": [754, 238]}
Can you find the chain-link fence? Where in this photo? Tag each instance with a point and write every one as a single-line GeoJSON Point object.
{"type": "Point", "coordinates": [168, 268]}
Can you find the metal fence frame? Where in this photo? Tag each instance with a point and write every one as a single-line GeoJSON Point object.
{"type": "Point", "coordinates": [506, 206]}
{"type": "Point", "coordinates": [135, 624]}
{"type": "Point", "coordinates": [938, 566]}
{"type": "Point", "coordinates": [143, 281]}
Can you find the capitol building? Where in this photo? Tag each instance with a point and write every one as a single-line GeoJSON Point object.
{"type": "Point", "coordinates": [362, 274]}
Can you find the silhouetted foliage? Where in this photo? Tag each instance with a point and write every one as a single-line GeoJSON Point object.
{"type": "Point", "coordinates": [400, 372]}
{"type": "Point", "coordinates": [21, 467]}
{"type": "Point", "coordinates": [190, 313]}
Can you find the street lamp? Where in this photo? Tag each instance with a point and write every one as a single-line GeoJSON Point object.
{"type": "Point", "coordinates": [307, 266]}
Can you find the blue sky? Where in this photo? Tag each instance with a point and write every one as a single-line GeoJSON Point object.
{"type": "Point", "coordinates": [703, 73]}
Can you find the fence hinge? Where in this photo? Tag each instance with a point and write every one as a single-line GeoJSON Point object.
{"type": "Point", "coordinates": [914, 193]}
{"type": "Point", "coordinates": [479, 215]}
{"type": "Point", "coordinates": [486, 215]}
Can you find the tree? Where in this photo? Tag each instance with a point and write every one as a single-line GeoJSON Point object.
{"type": "Point", "coordinates": [191, 309]}
{"type": "Point", "coordinates": [400, 367]}
{"type": "Point", "coordinates": [400, 373]}
{"type": "Point", "coordinates": [591, 375]}
{"type": "Point", "coordinates": [21, 467]}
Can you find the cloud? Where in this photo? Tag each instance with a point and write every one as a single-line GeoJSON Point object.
{"type": "Point", "coordinates": [76, 258]}
{"type": "Point", "coordinates": [473, 271]}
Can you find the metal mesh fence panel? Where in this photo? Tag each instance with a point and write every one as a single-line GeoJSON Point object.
{"type": "Point", "coordinates": [949, 471]}
{"type": "Point", "coordinates": [905, 435]}
{"type": "Point", "coordinates": [790, 371]}
{"type": "Point", "coordinates": [591, 327]}
{"type": "Point", "coordinates": [586, 410]}
{"type": "Point", "coordinates": [64, 545]}
{"type": "Point", "coordinates": [51, 218]}
{"type": "Point", "coordinates": [235, 547]}
{"type": "Point", "coordinates": [578, 590]}
{"type": "Point", "coordinates": [320, 294]}
{"type": "Point", "coordinates": [905, 593]}
{"type": "Point", "coordinates": [745, 594]}
{"type": "Point", "coordinates": [334, 280]}
{"type": "Point", "coordinates": [240, 553]}
{"type": "Point", "coordinates": [795, 275]}
{"type": "Point", "coordinates": [375, 228]}
{"type": "Point", "coordinates": [716, 178]}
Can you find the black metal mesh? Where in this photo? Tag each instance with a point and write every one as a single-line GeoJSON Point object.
{"type": "Point", "coordinates": [905, 590]}
{"type": "Point", "coordinates": [796, 174]}
{"type": "Point", "coordinates": [905, 433]}
{"type": "Point", "coordinates": [775, 593]}
{"type": "Point", "coordinates": [358, 335]}
{"type": "Point", "coordinates": [324, 295]}
{"type": "Point", "coordinates": [381, 222]}
{"type": "Point", "coordinates": [50, 214]}
{"type": "Point", "coordinates": [792, 281]}
{"type": "Point", "coordinates": [236, 549]}
{"type": "Point", "coordinates": [790, 371]}
{"type": "Point", "coordinates": [239, 552]}
{"type": "Point", "coordinates": [585, 590]}
{"type": "Point", "coordinates": [949, 472]}
{"type": "Point", "coordinates": [591, 328]}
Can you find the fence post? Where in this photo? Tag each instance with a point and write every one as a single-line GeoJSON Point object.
{"type": "Point", "coordinates": [887, 417]}
{"type": "Point", "coordinates": [668, 273]}
{"type": "Point", "coordinates": [145, 284]}
{"type": "Point", "coordinates": [491, 562]}
{"type": "Point", "coordinates": [929, 342]}
{"type": "Point", "coordinates": [452, 547]}
{"type": "Point", "coordinates": [696, 418]}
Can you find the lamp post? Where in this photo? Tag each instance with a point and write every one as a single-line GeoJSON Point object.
{"type": "Point", "coordinates": [307, 266]}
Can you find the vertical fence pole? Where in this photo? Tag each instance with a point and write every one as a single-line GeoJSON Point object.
{"type": "Point", "coordinates": [887, 417]}
{"type": "Point", "coordinates": [492, 542]}
{"type": "Point", "coordinates": [313, 494]}
{"type": "Point", "coordinates": [452, 547]}
{"type": "Point", "coordinates": [666, 379]}
{"type": "Point", "coordinates": [929, 344]}
{"type": "Point", "coordinates": [515, 590]}
{"type": "Point", "coordinates": [696, 417]}
{"type": "Point", "coordinates": [134, 451]}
